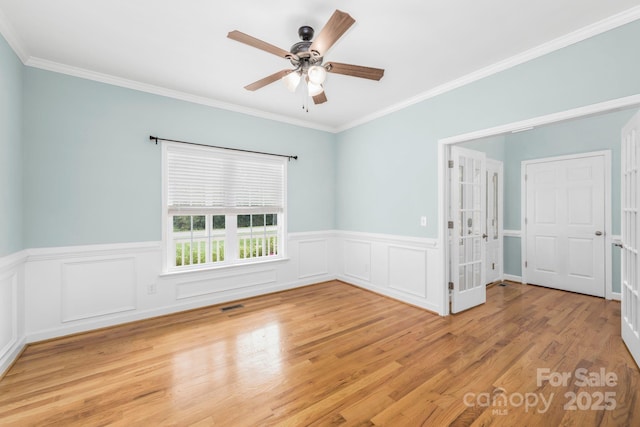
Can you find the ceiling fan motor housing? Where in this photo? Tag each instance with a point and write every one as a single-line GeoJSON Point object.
{"type": "Point", "coordinates": [306, 33]}
{"type": "Point", "coordinates": [304, 58]}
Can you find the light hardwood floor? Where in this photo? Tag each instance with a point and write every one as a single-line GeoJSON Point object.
{"type": "Point", "coordinates": [335, 354]}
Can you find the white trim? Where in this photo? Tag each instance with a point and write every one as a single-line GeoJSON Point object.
{"type": "Point", "coordinates": [7, 359]}
{"type": "Point", "coordinates": [66, 252]}
{"type": "Point", "coordinates": [12, 261]}
{"type": "Point", "coordinates": [499, 165]}
{"type": "Point", "coordinates": [579, 35]}
{"type": "Point", "coordinates": [587, 110]}
{"type": "Point", "coordinates": [615, 239]}
{"type": "Point", "coordinates": [606, 155]}
{"type": "Point", "coordinates": [512, 233]}
{"type": "Point", "coordinates": [427, 242]}
{"type": "Point", "coordinates": [298, 235]}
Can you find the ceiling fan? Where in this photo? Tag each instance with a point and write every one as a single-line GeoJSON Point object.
{"type": "Point", "coordinates": [307, 58]}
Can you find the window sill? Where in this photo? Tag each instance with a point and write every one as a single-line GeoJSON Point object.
{"type": "Point", "coordinates": [211, 269]}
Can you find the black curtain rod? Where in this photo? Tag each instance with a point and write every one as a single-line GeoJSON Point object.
{"type": "Point", "coordinates": [156, 139]}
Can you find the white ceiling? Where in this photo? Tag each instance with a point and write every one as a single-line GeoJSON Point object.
{"type": "Point", "coordinates": [180, 48]}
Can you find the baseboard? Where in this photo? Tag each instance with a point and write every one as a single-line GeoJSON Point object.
{"type": "Point", "coordinates": [389, 292]}
{"type": "Point", "coordinates": [512, 233]}
{"type": "Point", "coordinates": [512, 278]}
{"type": "Point", "coordinates": [616, 296]}
{"type": "Point", "coordinates": [10, 357]}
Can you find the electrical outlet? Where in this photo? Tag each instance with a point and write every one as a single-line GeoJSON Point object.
{"type": "Point", "coordinates": [152, 288]}
{"type": "Point", "coordinates": [423, 221]}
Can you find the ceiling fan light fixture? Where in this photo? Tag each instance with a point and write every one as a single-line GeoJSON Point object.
{"type": "Point", "coordinates": [314, 89]}
{"type": "Point", "coordinates": [317, 74]}
{"type": "Point", "coordinates": [291, 81]}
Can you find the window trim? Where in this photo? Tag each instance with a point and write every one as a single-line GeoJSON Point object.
{"type": "Point", "coordinates": [167, 269]}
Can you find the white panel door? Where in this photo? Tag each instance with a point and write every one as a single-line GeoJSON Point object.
{"type": "Point", "coordinates": [467, 244]}
{"type": "Point", "coordinates": [631, 237]}
{"type": "Point", "coordinates": [565, 223]}
{"type": "Point", "coordinates": [493, 228]}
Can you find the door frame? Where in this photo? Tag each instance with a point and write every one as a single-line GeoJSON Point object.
{"type": "Point", "coordinates": [500, 167]}
{"type": "Point", "coordinates": [444, 157]}
{"type": "Point", "coordinates": [606, 154]}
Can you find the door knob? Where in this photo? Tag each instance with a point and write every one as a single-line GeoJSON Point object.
{"type": "Point", "coordinates": [598, 233]}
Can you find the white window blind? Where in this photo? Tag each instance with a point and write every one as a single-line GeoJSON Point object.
{"type": "Point", "coordinates": [209, 180]}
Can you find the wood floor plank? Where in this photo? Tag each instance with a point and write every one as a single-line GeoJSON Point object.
{"type": "Point", "coordinates": [333, 354]}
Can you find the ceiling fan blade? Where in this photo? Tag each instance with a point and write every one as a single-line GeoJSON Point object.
{"type": "Point", "coordinates": [257, 43]}
{"type": "Point", "coordinates": [337, 25]}
{"type": "Point", "coordinates": [321, 98]}
{"type": "Point", "coordinates": [267, 80]}
{"type": "Point", "coordinates": [355, 70]}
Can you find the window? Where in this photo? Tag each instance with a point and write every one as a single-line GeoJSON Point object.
{"type": "Point", "coordinates": [221, 207]}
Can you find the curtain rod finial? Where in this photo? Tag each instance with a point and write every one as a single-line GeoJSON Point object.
{"type": "Point", "coordinates": [153, 138]}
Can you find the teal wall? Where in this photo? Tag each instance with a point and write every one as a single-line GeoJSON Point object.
{"type": "Point", "coordinates": [512, 251]}
{"type": "Point", "coordinates": [387, 168]}
{"type": "Point", "coordinates": [492, 146]}
{"type": "Point", "coordinates": [10, 151]}
{"type": "Point", "coordinates": [92, 175]}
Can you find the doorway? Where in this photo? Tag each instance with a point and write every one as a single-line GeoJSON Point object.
{"type": "Point", "coordinates": [513, 267]}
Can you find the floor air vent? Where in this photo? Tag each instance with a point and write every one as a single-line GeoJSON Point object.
{"type": "Point", "coordinates": [231, 307]}
{"type": "Point", "coordinates": [502, 284]}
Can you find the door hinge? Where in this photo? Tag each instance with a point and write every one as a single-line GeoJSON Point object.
{"type": "Point", "coordinates": [450, 224]}
{"type": "Point", "coordinates": [450, 286]}
{"type": "Point", "coordinates": [450, 164]}
{"type": "Point", "coordinates": [526, 264]}
{"type": "Point", "coordinates": [525, 221]}
{"type": "Point", "coordinates": [526, 176]}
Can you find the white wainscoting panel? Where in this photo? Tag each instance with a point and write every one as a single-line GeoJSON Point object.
{"type": "Point", "coordinates": [226, 282]}
{"type": "Point", "coordinates": [313, 258]}
{"type": "Point", "coordinates": [12, 333]}
{"type": "Point", "coordinates": [8, 313]}
{"type": "Point", "coordinates": [76, 289]}
{"type": "Point", "coordinates": [357, 259]}
{"type": "Point", "coordinates": [403, 268]}
{"type": "Point", "coordinates": [408, 270]}
{"type": "Point", "coordinates": [96, 288]}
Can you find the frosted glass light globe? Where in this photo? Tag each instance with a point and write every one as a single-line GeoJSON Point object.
{"type": "Point", "coordinates": [314, 89]}
{"type": "Point", "coordinates": [317, 74]}
{"type": "Point", "coordinates": [291, 81]}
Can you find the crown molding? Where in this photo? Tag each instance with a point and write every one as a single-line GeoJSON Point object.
{"type": "Point", "coordinates": [169, 93]}
{"type": "Point", "coordinates": [579, 35]}
{"type": "Point", "coordinates": [9, 34]}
